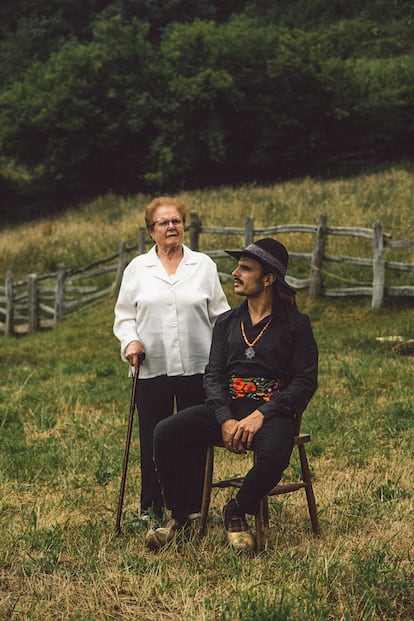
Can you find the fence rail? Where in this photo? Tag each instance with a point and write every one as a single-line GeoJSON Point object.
{"type": "Point", "coordinates": [42, 301]}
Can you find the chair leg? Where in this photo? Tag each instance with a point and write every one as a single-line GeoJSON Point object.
{"type": "Point", "coordinates": [258, 518]}
{"type": "Point", "coordinates": [265, 504]}
{"type": "Point", "coordinates": [208, 479]}
{"type": "Point", "coordinates": [309, 489]}
{"type": "Point", "coordinates": [262, 518]}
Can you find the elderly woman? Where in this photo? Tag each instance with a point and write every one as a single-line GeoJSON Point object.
{"type": "Point", "coordinates": [168, 302]}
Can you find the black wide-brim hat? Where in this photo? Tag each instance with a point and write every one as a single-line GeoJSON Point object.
{"type": "Point", "coordinates": [272, 255]}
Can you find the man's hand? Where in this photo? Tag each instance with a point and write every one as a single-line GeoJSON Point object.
{"type": "Point", "coordinates": [228, 429]}
{"type": "Point", "coordinates": [247, 427]}
{"type": "Point", "coordinates": [238, 434]}
{"type": "Point", "coordinates": [132, 351]}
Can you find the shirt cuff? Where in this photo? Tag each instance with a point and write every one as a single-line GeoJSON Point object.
{"type": "Point", "coordinates": [223, 413]}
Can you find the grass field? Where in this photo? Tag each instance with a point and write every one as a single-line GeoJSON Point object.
{"type": "Point", "coordinates": [80, 236]}
{"type": "Point", "coordinates": [64, 405]}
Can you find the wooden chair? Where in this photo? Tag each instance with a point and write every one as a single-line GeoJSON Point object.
{"type": "Point", "coordinates": [262, 518]}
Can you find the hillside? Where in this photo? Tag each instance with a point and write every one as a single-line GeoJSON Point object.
{"type": "Point", "coordinates": [92, 230]}
{"type": "Point", "coordinates": [64, 406]}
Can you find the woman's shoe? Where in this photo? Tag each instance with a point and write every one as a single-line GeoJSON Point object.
{"type": "Point", "coordinates": [157, 538]}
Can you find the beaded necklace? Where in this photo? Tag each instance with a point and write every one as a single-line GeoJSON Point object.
{"type": "Point", "coordinates": [249, 351]}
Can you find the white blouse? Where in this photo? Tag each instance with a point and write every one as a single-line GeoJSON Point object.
{"type": "Point", "coordinates": [172, 316]}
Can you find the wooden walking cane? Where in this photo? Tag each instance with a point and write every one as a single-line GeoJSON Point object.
{"type": "Point", "coordinates": [141, 358]}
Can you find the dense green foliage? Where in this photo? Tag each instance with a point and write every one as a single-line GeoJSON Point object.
{"type": "Point", "coordinates": [141, 95]}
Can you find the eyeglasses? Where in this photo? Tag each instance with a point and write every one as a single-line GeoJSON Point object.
{"type": "Point", "coordinates": [164, 223]}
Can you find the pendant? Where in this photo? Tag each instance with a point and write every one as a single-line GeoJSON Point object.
{"type": "Point", "coordinates": [249, 353]}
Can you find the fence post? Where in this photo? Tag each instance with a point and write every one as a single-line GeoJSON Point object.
{"type": "Point", "coordinates": [141, 240]}
{"type": "Point", "coordinates": [9, 322]}
{"type": "Point", "coordinates": [194, 230]}
{"type": "Point", "coordinates": [248, 230]}
{"type": "Point", "coordinates": [122, 263]}
{"type": "Point", "coordinates": [316, 280]}
{"type": "Point", "coordinates": [33, 303]}
{"type": "Point", "coordinates": [59, 294]}
{"type": "Point", "coordinates": [378, 268]}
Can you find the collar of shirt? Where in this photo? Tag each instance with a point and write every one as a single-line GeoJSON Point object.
{"type": "Point", "coordinates": [151, 258]}
{"type": "Point", "coordinates": [278, 310]}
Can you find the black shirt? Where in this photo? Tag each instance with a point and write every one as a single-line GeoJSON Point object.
{"type": "Point", "coordinates": [287, 350]}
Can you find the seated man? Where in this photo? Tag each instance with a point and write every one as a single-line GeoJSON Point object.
{"type": "Point", "coordinates": [261, 374]}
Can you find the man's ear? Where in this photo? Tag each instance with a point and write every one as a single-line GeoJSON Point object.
{"type": "Point", "coordinates": [269, 279]}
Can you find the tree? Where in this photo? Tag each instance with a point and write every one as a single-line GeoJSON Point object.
{"type": "Point", "coordinates": [77, 119]}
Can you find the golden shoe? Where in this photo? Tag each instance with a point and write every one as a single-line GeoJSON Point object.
{"type": "Point", "coordinates": [242, 541]}
{"type": "Point", "coordinates": [237, 529]}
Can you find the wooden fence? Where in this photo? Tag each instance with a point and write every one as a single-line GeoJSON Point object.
{"type": "Point", "coordinates": [43, 301]}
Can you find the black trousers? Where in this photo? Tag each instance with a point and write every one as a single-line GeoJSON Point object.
{"type": "Point", "coordinates": [156, 399]}
{"type": "Point", "coordinates": [180, 440]}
